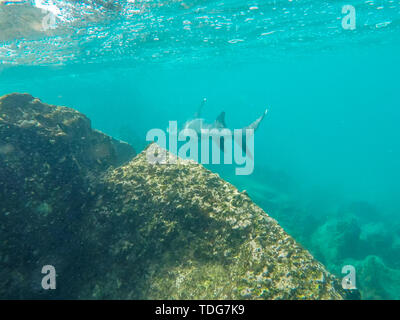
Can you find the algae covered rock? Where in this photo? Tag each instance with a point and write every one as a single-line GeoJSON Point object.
{"type": "Point", "coordinates": [181, 232]}
{"type": "Point", "coordinates": [135, 231]}
{"type": "Point", "coordinates": [48, 154]}
{"type": "Point", "coordinates": [49, 158]}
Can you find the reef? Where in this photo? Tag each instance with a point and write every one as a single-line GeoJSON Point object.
{"type": "Point", "coordinates": [115, 226]}
{"type": "Point", "coordinates": [371, 247]}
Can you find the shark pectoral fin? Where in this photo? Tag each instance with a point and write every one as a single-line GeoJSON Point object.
{"type": "Point", "coordinates": [248, 154]}
{"type": "Point", "coordinates": [243, 145]}
{"type": "Point", "coordinates": [222, 145]}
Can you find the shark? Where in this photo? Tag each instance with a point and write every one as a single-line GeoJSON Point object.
{"type": "Point", "coordinates": [197, 123]}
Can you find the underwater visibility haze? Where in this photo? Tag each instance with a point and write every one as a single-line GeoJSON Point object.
{"type": "Point", "coordinates": [326, 155]}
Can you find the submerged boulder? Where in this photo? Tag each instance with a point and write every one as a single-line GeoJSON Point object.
{"type": "Point", "coordinates": [49, 155]}
{"type": "Point", "coordinates": [136, 231]}
{"type": "Point", "coordinates": [49, 159]}
{"type": "Point", "coordinates": [181, 232]}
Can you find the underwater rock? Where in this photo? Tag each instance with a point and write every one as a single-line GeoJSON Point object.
{"type": "Point", "coordinates": [375, 279]}
{"type": "Point", "coordinates": [372, 248]}
{"type": "Point", "coordinates": [137, 231]}
{"type": "Point", "coordinates": [181, 232]}
{"type": "Point", "coordinates": [49, 157]}
{"type": "Point", "coordinates": [338, 239]}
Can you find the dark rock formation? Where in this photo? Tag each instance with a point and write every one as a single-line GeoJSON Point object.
{"type": "Point", "coordinates": [136, 231]}
{"type": "Point", "coordinates": [49, 158]}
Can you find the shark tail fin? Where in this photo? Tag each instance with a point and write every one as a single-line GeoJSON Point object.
{"type": "Point", "coordinates": [257, 122]}
{"type": "Point", "coordinates": [244, 147]}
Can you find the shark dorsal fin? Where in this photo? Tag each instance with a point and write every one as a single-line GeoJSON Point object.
{"type": "Point", "coordinates": [220, 121]}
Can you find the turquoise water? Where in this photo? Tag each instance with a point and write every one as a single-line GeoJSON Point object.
{"type": "Point", "coordinates": [326, 156]}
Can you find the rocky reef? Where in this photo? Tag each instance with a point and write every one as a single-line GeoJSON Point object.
{"type": "Point", "coordinates": [337, 233]}
{"type": "Point", "coordinates": [120, 229]}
